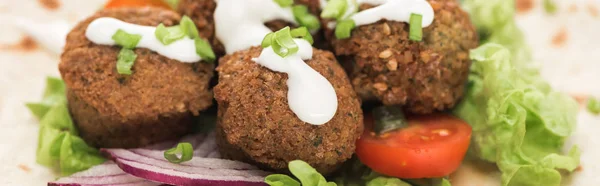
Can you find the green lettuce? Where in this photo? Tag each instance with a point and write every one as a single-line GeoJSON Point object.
{"type": "Point", "coordinates": [518, 121]}
{"type": "Point", "coordinates": [307, 175]}
{"type": "Point", "coordinates": [495, 23]}
{"type": "Point", "coordinates": [59, 145]}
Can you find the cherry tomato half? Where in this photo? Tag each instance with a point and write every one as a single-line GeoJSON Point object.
{"type": "Point", "coordinates": [431, 146]}
{"type": "Point", "coordinates": [136, 3]}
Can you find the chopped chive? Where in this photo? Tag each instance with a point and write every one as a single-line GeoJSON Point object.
{"type": "Point", "coordinates": [388, 118]}
{"type": "Point", "coordinates": [593, 106]}
{"type": "Point", "coordinates": [283, 44]}
{"type": "Point", "coordinates": [344, 28]}
{"type": "Point", "coordinates": [125, 61]}
{"type": "Point", "coordinates": [305, 18]}
{"type": "Point", "coordinates": [204, 50]}
{"type": "Point", "coordinates": [184, 150]}
{"type": "Point", "coordinates": [335, 9]}
{"type": "Point", "coordinates": [416, 28]}
{"type": "Point", "coordinates": [303, 33]}
{"type": "Point", "coordinates": [550, 6]}
{"type": "Point", "coordinates": [126, 40]}
{"type": "Point", "coordinates": [168, 35]}
{"type": "Point", "coordinates": [189, 27]}
{"type": "Point", "coordinates": [284, 3]}
{"type": "Point", "coordinates": [267, 40]}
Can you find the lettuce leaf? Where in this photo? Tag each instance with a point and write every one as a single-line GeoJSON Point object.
{"type": "Point", "coordinates": [58, 143]}
{"type": "Point", "coordinates": [307, 175]}
{"type": "Point", "coordinates": [518, 121]}
{"type": "Point", "coordinates": [495, 23]}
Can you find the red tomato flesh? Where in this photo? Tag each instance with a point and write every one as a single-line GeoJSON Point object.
{"type": "Point", "coordinates": [432, 146]}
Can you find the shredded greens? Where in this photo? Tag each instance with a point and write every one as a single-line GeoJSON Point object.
{"type": "Point", "coordinates": [59, 145]}
{"type": "Point", "coordinates": [354, 173]}
{"type": "Point", "coordinates": [518, 121]}
{"type": "Point", "coordinates": [307, 175]}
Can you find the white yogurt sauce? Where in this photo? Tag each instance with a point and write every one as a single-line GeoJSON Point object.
{"type": "Point", "coordinates": [310, 95]}
{"type": "Point", "coordinates": [101, 30]}
{"type": "Point", "coordinates": [240, 25]}
{"type": "Point", "coordinates": [393, 10]}
{"type": "Point", "coordinates": [52, 35]}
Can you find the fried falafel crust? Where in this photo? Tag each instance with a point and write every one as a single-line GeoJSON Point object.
{"type": "Point", "coordinates": [256, 125]}
{"type": "Point", "coordinates": [423, 76]}
{"type": "Point", "coordinates": [201, 12]}
{"type": "Point", "coordinates": [156, 103]}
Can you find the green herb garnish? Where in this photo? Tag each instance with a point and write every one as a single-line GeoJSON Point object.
{"type": "Point", "coordinates": [189, 27]}
{"type": "Point", "coordinates": [335, 9]}
{"type": "Point", "coordinates": [303, 33]}
{"type": "Point", "coordinates": [416, 29]}
{"type": "Point", "coordinates": [204, 50]}
{"type": "Point", "coordinates": [266, 42]}
{"type": "Point", "coordinates": [593, 106]}
{"type": "Point", "coordinates": [125, 61]}
{"type": "Point", "coordinates": [388, 118]}
{"type": "Point", "coordinates": [126, 40]}
{"type": "Point", "coordinates": [282, 42]}
{"type": "Point", "coordinates": [181, 153]}
{"type": "Point", "coordinates": [305, 18]}
{"type": "Point", "coordinates": [168, 35]}
{"type": "Point", "coordinates": [344, 28]}
{"type": "Point", "coordinates": [284, 3]}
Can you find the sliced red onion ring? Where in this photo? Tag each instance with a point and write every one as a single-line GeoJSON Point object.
{"type": "Point", "coordinates": [105, 174]}
{"type": "Point", "coordinates": [203, 169]}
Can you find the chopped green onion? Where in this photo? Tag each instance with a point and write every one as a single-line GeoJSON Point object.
{"type": "Point", "coordinates": [126, 40]}
{"type": "Point", "coordinates": [305, 18]}
{"type": "Point", "coordinates": [184, 150]}
{"type": "Point", "coordinates": [388, 118]}
{"type": "Point", "coordinates": [284, 3]}
{"type": "Point", "coordinates": [303, 33]}
{"type": "Point", "coordinates": [204, 50]}
{"type": "Point", "coordinates": [125, 61]}
{"type": "Point", "coordinates": [267, 40]}
{"type": "Point", "coordinates": [283, 44]}
{"type": "Point", "coordinates": [416, 28]}
{"type": "Point", "coordinates": [168, 35]}
{"type": "Point", "coordinates": [335, 9]}
{"type": "Point", "coordinates": [344, 28]}
{"type": "Point", "coordinates": [593, 106]}
{"type": "Point", "coordinates": [550, 6]}
{"type": "Point", "coordinates": [189, 27]}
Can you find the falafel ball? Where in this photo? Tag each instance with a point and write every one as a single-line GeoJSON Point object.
{"type": "Point", "coordinates": [201, 12]}
{"type": "Point", "coordinates": [423, 76]}
{"type": "Point", "coordinates": [157, 102]}
{"type": "Point", "coordinates": [256, 125]}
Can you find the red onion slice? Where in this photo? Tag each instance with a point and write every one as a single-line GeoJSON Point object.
{"type": "Point", "coordinates": [105, 174]}
{"type": "Point", "coordinates": [203, 169]}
